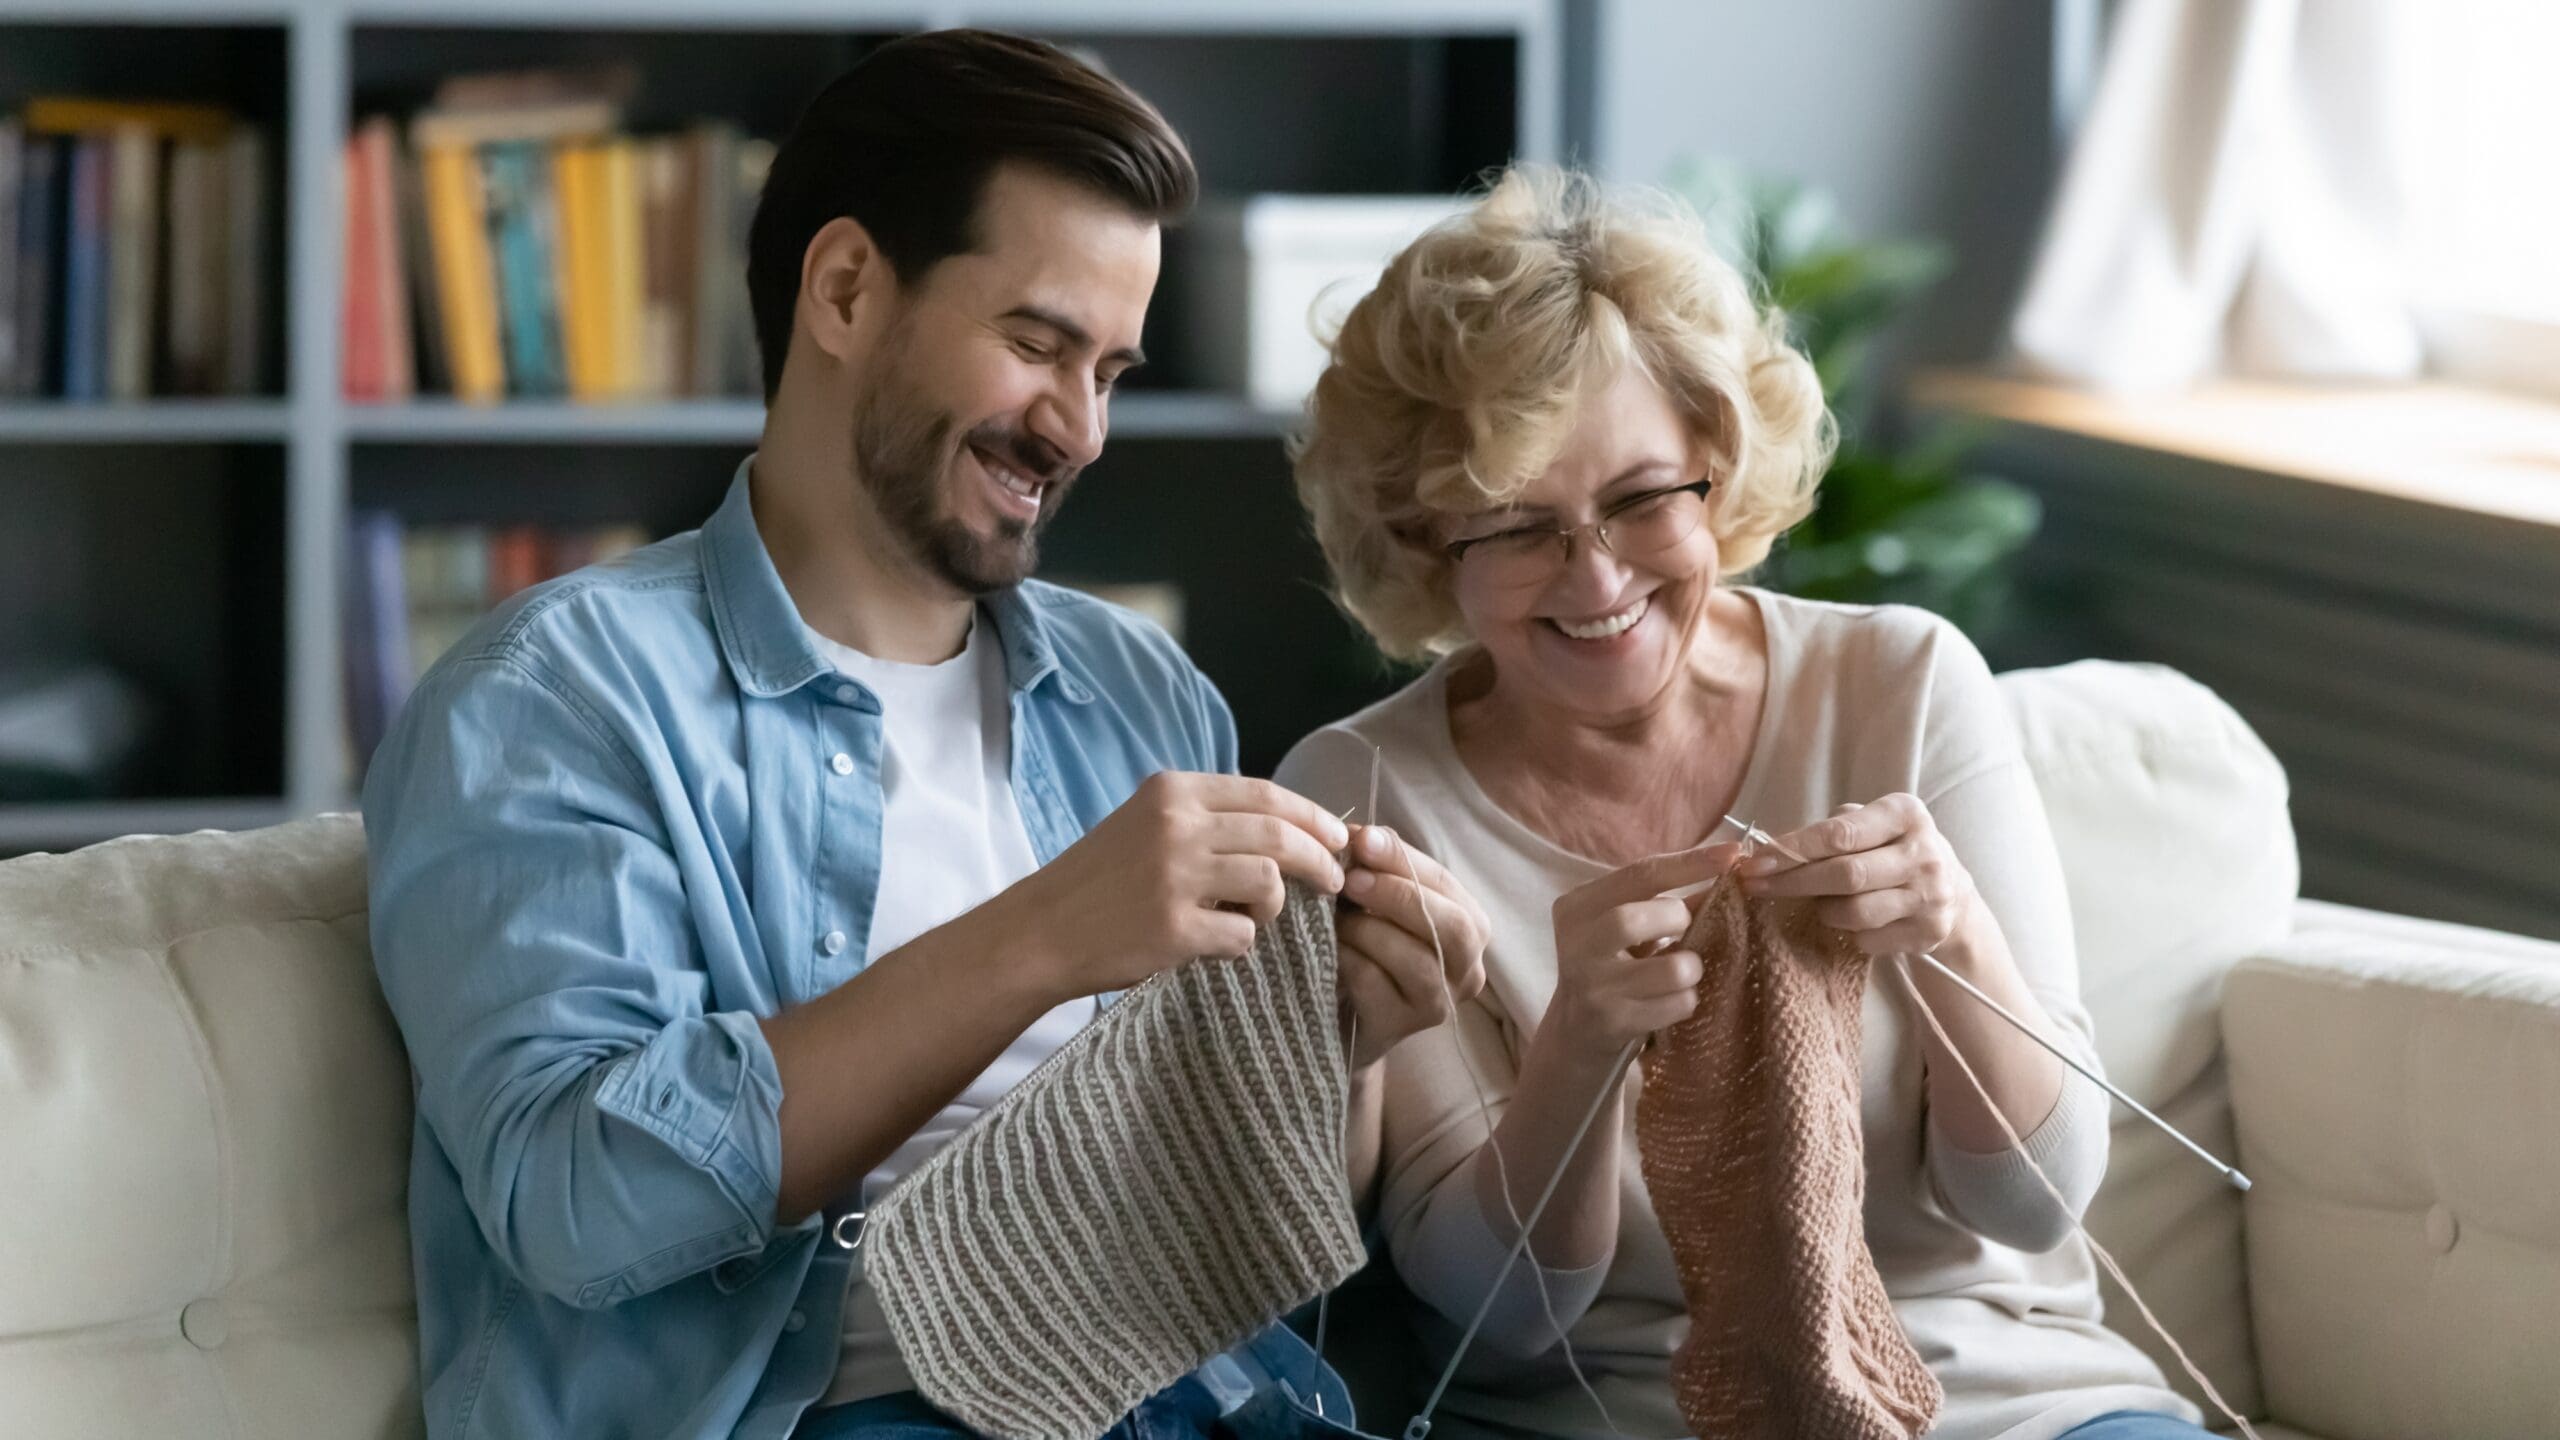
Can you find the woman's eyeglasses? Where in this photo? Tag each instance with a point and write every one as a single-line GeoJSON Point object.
{"type": "Point", "coordinates": [1638, 526]}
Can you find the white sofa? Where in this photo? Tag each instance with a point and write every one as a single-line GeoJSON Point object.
{"type": "Point", "coordinates": [204, 1115]}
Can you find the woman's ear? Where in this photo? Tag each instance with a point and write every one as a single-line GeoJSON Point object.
{"type": "Point", "coordinates": [843, 279]}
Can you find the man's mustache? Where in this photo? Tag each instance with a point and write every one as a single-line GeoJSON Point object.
{"type": "Point", "coordinates": [1024, 451]}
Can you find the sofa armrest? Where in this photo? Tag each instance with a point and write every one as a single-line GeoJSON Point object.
{"type": "Point", "coordinates": [2396, 1089]}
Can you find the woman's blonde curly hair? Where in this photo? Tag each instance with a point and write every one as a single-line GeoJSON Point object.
{"type": "Point", "coordinates": [1455, 382]}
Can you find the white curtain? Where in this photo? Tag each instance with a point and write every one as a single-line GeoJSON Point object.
{"type": "Point", "coordinates": [2234, 201]}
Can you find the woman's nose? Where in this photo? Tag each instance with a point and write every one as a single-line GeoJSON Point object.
{"type": "Point", "coordinates": [1592, 572]}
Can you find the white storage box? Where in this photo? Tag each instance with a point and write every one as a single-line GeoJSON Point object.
{"type": "Point", "coordinates": [1261, 278]}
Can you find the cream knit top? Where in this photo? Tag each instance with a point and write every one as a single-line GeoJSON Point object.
{"type": "Point", "coordinates": [1997, 1295]}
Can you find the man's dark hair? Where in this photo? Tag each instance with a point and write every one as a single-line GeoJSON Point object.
{"type": "Point", "coordinates": [905, 141]}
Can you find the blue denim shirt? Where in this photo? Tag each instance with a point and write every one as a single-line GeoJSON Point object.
{"type": "Point", "coordinates": [631, 812]}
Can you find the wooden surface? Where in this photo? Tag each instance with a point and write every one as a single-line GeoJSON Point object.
{"type": "Point", "coordinates": [2465, 449]}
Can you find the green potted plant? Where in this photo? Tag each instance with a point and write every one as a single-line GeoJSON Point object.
{"type": "Point", "coordinates": [1903, 522]}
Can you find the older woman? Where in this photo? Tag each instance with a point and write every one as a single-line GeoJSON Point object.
{"type": "Point", "coordinates": [1548, 444]}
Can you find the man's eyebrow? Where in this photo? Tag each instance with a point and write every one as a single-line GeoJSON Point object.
{"type": "Point", "coordinates": [1130, 357]}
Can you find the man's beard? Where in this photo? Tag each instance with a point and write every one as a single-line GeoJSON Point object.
{"type": "Point", "coordinates": [902, 449]}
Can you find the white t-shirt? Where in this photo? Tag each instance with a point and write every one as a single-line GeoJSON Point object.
{"type": "Point", "coordinates": [951, 837]}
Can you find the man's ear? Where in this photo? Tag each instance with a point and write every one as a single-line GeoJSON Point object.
{"type": "Point", "coordinates": [844, 282]}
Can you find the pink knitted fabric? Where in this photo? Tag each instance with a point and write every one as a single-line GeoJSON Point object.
{"type": "Point", "coordinates": [1748, 1133]}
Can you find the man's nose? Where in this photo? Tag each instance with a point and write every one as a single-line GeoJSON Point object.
{"type": "Point", "coordinates": [1071, 418]}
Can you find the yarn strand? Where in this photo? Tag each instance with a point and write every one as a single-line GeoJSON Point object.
{"type": "Point", "coordinates": [1902, 968]}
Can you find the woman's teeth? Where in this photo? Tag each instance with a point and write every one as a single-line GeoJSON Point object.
{"type": "Point", "coordinates": [1606, 625]}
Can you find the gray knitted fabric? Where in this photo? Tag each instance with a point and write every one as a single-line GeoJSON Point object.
{"type": "Point", "coordinates": [1167, 1183]}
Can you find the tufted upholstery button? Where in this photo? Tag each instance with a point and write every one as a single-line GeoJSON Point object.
{"type": "Point", "coordinates": [204, 1324]}
{"type": "Point", "coordinates": [2442, 1229]}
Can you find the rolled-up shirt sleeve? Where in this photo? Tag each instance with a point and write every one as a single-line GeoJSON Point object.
{"type": "Point", "coordinates": [530, 925]}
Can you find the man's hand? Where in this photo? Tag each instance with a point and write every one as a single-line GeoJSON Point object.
{"type": "Point", "coordinates": [1190, 866]}
{"type": "Point", "coordinates": [1398, 982]}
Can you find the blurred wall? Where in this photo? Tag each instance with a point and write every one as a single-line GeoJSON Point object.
{"type": "Point", "coordinates": [1920, 117]}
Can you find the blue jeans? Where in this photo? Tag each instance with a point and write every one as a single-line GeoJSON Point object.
{"type": "Point", "coordinates": [1271, 1387]}
{"type": "Point", "coordinates": [2137, 1425]}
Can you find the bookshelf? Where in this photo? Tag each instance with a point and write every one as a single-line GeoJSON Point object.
{"type": "Point", "coordinates": [199, 542]}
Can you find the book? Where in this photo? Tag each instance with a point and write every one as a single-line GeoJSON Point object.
{"type": "Point", "coordinates": [415, 590]}
{"type": "Point", "coordinates": [376, 345]}
{"type": "Point", "coordinates": [488, 108]}
{"type": "Point", "coordinates": [664, 277]}
{"type": "Point", "coordinates": [84, 292]}
{"type": "Point", "coordinates": [246, 235]}
{"type": "Point", "coordinates": [39, 243]}
{"type": "Point", "coordinates": [515, 176]}
{"type": "Point", "coordinates": [379, 672]}
{"type": "Point", "coordinates": [379, 141]}
{"type": "Point", "coordinates": [359, 333]}
{"type": "Point", "coordinates": [742, 365]}
{"type": "Point", "coordinates": [578, 268]}
{"type": "Point", "coordinates": [418, 271]}
{"type": "Point", "coordinates": [466, 281]}
{"type": "Point", "coordinates": [163, 120]}
{"type": "Point", "coordinates": [133, 262]}
{"type": "Point", "coordinates": [12, 181]}
{"type": "Point", "coordinates": [191, 354]}
{"type": "Point", "coordinates": [619, 205]}
{"type": "Point", "coordinates": [719, 261]}
{"type": "Point", "coordinates": [445, 574]}
{"type": "Point", "coordinates": [517, 560]}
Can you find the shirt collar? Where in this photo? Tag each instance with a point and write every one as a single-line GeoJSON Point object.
{"type": "Point", "coordinates": [770, 650]}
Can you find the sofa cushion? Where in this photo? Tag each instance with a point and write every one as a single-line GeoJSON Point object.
{"type": "Point", "coordinates": [207, 1112]}
{"type": "Point", "coordinates": [2177, 848]}
{"type": "Point", "coordinates": [2395, 1082]}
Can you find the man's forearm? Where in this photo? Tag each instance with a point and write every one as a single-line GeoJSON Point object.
{"type": "Point", "coordinates": [865, 1065]}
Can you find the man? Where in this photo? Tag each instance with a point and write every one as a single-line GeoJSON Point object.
{"type": "Point", "coordinates": [715, 887]}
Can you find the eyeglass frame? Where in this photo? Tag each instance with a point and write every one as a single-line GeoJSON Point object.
{"type": "Point", "coordinates": [1598, 525]}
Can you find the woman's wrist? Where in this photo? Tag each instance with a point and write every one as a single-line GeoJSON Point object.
{"type": "Point", "coordinates": [1562, 1054]}
{"type": "Point", "coordinates": [1974, 948]}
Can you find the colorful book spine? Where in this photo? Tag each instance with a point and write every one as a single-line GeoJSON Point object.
{"type": "Point", "coordinates": [466, 282]}
{"type": "Point", "coordinates": [529, 320]}
{"type": "Point", "coordinates": [389, 302]}
{"type": "Point", "coordinates": [84, 293]}
{"type": "Point", "coordinates": [379, 671]}
{"type": "Point", "coordinates": [359, 332]}
{"type": "Point", "coordinates": [624, 278]}
{"type": "Point", "coordinates": [418, 270]}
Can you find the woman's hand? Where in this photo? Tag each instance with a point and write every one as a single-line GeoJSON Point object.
{"type": "Point", "coordinates": [1620, 972]}
{"type": "Point", "coordinates": [1881, 872]}
{"type": "Point", "coordinates": [1397, 980]}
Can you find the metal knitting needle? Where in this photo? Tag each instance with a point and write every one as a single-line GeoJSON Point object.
{"type": "Point", "coordinates": [1324, 1302]}
{"type": "Point", "coordinates": [1377, 758]}
{"type": "Point", "coordinates": [2238, 1180]}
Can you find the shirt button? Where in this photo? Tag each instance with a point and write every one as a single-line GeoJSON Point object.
{"type": "Point", "coordinates": [204, 1324]}
{"type": "Point", "coordinates": [847, 694]}
{"type": "Point", "coordinates": [842, 764]}
{"type": "Point", "coordinates": [832, 942]}
{"type": "Point", "coordinates": [795, 1322]}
